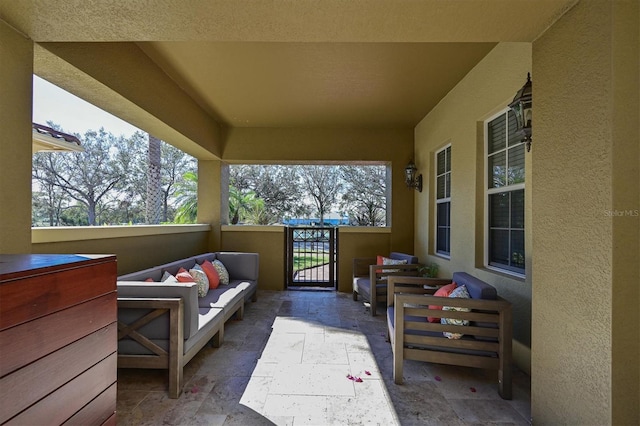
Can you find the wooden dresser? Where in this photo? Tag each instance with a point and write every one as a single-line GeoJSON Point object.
{"type": "Point", "coordinates": [58, 339]}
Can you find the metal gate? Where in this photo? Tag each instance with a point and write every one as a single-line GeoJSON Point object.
{"type": "Point", "coordinates": [311, 257]}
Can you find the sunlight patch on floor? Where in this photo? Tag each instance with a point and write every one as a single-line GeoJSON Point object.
{"type": "Point", "coordinates": [302, 377]}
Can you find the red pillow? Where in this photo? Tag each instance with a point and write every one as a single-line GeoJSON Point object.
{"type": "Point", "coordinates": [148, 280]}
{"type": "Point", "coordinates": [443, 291]}
{"type": "Point", "coordinates": [379, 261]}
{"type": "Point", "coordinates": [212, 274]}
{"type": "Point", "coordinates": [184, 276]}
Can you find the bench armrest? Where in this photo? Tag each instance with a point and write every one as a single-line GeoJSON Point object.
{"type": "Point", "coordinates": [361, 266]}
{"type": "Point", "coordinates": [413, 285]}
{"type": "Point", "coordinates": [186, 291]}
{"type": "Point", "coordinates": [171, 358]}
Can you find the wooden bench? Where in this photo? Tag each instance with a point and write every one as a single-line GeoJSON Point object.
{"type": "Point", "coordinates": [370, 282]}
{"type": "Point", "coordinates": [487, 339]}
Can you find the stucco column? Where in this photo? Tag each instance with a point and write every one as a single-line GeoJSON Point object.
{"type": "Point", "coordinates": [585, 344]}
{"type": "Point", "coordinates": [16, 86]}
{"type": "Point", "coordinates": [209, 198]}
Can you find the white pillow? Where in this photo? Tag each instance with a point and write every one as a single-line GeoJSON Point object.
{"type": "Point", "coordinates": [168, 278]}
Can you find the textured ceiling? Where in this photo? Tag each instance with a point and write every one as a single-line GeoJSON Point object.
{"type": "Point", "coordinates": [317, 84]}
{"type": "Point", "coordinates": [289, 63]}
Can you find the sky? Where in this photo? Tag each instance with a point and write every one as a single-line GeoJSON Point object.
{"type": "Point", "coordinates": [74, 115]}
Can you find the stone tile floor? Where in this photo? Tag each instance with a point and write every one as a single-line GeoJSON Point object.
{"type": "Point", "coordinates": [287, 363]}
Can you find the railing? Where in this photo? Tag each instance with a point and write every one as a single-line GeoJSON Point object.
{"type": "Point", "coordinates": [311, 256]}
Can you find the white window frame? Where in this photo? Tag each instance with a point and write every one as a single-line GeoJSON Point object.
{"type": "Point", "coordinates": [489, 191]}
{"type": "Point", "coordinates": [443, 200]}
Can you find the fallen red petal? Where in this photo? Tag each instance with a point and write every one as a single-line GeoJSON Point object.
{"type": "Point", "coordinates": [349, 376]}
{"type": "Point", "coordinates": [368, 373]}
{"type": "Point", "coordinates": [438, 379]}
{"type": "Point", "coordinates": [473, 389]}
{"type": "Point", "coordinates": [358, 380]}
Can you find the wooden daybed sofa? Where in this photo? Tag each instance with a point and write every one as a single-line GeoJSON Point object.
{"type": "Point", "coordinates": [163, 325]}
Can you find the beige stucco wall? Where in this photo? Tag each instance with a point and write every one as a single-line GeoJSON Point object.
{"type": "Point", "coordinates": [585, 196]}
{"type": "Point", "coordinates": [270, 241]}
{"type": "Point", "coordinates": [359, 242]}
{"type": "Point", "coordinates": [458, 120]}
{"type": "Point", "coordinates": [136, 247]}
{"type": "Point", "coordinates": [16, 67]}
{"type": "Point", "coordinates": [121, 79]}
{"type": "Point", "coordinates": [209, 193]}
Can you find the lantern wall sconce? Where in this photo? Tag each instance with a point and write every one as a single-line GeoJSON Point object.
{"type": "Point", "coordinates": [521, 107]}
{"type": "Point", "coordinates": [410, 177]}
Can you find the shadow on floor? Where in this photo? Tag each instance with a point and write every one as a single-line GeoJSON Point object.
{"type": "Point", "coordinates": [287, 363]}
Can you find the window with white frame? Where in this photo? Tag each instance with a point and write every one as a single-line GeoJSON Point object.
{"type": "Point", "coordinates": [443, 201]}
{"type": "Point", "coordinates": [504, 194]}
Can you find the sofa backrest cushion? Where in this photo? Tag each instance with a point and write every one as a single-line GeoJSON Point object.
{"type": "Point", "coordinates": [174, 267]}
{"type": "Point", "coordinates": [241, 266]}
{"type": "Point", "coordinates": [206, 256]}
{"type": "Point", "coordinates": [156, 272]}
{"type": "Point", "coordinates": [477, 288]}
{"type": "Point", "coordinates": [411, 259]}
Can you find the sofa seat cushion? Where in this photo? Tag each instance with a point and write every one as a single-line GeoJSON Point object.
{"type": "Point", "coordinates": [223, 296]}
{"type": "Point", "coordinates": [248, 287]}
{"type": "Point", "coordinates": [208, 319]}
{"type": "Point", "coordinates": [362, 285]}
{"type": "Point", "coordinates": [438, 334]}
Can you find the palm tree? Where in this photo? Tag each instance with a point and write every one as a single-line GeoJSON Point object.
{"type": "Point", "coordinates": [187, 198]}
{"type": "Point", "coordinates": [242, 202]}
{"type": "Point", "coordinates": [257, 214]}
{"type": "Point", "coordinates": [154, 193]}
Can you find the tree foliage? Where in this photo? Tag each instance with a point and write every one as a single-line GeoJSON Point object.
{"type": "Point", "coordinates": [86, 177]}
{"type": "Point", "coordinates": [119, 180]}
{"type": "Point", "coordinates": [300, 191]}
{"type": "Point", "coordinates": [153, 210]}
{"type": "Point", "coordinates": [364, 199]}
{"type": "Point", "coordinates": [322, 184]}
{"type": "Point", "coordinates": [104, 184]}
{"type": "Point", "coordinates": [276, 185]}
{"type": "Point", "coordinates": [187, 199]}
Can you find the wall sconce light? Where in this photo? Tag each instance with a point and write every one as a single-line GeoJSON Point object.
{"type": "Point", "coordinates": [410, 177]}
{"type": "Point", "coordinates": [521, 107]}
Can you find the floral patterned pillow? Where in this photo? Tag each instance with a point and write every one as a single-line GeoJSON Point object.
{"type": "Point", "coordinates": [200, 277]}
{"type": "Point", "coordinates": [222, 272]}
{"type": "Point", "coordinates": [388, 261]}
{"type": "Point", "coordinates": [460, 292]}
